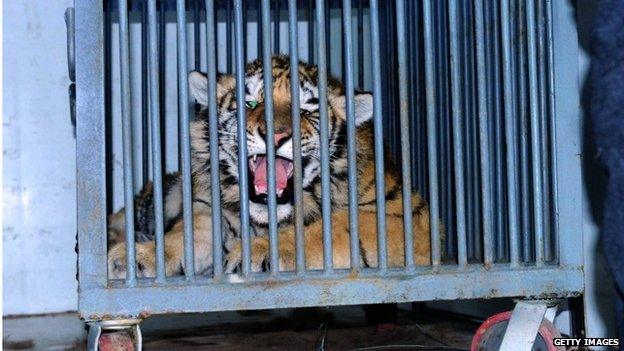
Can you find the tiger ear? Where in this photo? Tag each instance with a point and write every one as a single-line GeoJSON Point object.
{"type": "Point", "coordinates": [363, 103]}
{"type": "Point", "coordinates": [198, 86]}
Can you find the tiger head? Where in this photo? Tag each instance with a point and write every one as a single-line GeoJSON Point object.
{"type": "Point", "coordinates": [257, 137]}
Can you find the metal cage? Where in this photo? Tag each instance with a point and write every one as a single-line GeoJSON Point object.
{"type": "Point", "coordinates": [477, 100]}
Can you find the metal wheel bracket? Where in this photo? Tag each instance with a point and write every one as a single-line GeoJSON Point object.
{"type": "Point", "coordinates": [525, 322]}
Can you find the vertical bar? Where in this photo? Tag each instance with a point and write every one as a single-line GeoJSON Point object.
{"type": "Point", "coordinates": [185, 135]}
{"type": "Point", "coordinates": [155, 131]}
{"type": "Point", "coordinates": [486, 185]}
{"type": "Point", "coordinates": [324, 131]}
{"type": "Point", "coordinates": [458, 142]}
{"type": "Point", "coordinates": [296, 136]}
{"type": "Point", "coordinates": [543, 103]}
{"type": "Point", "coordinates": [536, 155]}
{"type": "Point", "coordinates": [242, 136]}
{"type": "Point", "coordinates": [267, 67]}
{"type": "Point", "coordinates": [405, 136]}
{"type": "Point", "coordinates": [512, 186]}
{"type": "Point", "coordinates": [432, 148]}
{"type": "Point", "coordinates": [351, 136]}
{"type": "Point", "coordinates": [525, 209]}
{"type": "Point", "coordinates": [213, 121]}
{"type": "Point", "coordinates": [126, 115]}
{"type": "Point", "coordinates": [378, 135]}
{"type": "Point", "coordinates": [551, 123]}
{"type": "Point", "coordinates": [90, 135]}
{"type": "Point", "coordinates": [566, 134]}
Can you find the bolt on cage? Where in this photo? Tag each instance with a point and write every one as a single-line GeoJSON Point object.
{"type": "Point", "coordinates": [476, 99]}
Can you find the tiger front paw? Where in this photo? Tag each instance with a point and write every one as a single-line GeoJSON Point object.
{"type": "Point", "coordinates": [145, 262]}
{"type": "Point", "coordinates": [259, 256]}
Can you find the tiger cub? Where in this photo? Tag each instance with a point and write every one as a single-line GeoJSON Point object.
{"type": "Point", "coordinates": [257, 174]}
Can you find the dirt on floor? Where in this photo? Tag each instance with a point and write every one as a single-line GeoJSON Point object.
{"type": "Point", "coordinates": [318, 329]}
{"type": "Point", "coordinates": [321, 329]}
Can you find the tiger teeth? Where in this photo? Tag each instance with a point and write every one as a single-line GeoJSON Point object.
{"type": "Point", "coordinates": [255, 157]}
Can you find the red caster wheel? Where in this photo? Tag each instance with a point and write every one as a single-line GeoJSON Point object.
{"type": "Point", "coordinates": [116, 341]}
{"type": "Point", "coordinates": [490, 335]}
{"type": "Point", "coordinates": [114, 335]}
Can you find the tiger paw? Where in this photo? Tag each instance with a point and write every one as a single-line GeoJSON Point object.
{"type": "Point", "coordinates": [233, 259]}
{"type": "Point", "coordinates": [259, 256]}
{"type": "Point", "coordinates": [145, 262]}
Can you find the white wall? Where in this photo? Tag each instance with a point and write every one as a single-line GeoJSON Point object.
{"type": "Point", "coordinates": [39, 203]}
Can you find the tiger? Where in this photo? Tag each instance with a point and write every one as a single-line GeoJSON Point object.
{"type": "Point", "coordinates": [257, 139]}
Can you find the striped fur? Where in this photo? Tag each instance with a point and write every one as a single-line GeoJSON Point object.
{"type": "Point", "coordinates": [228, 160]}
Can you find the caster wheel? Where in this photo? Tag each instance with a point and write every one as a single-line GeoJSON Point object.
{"type": "Point", "coordinates": [490, 335]}
{"type": "Point", "coordinates": [114, 335]}
{"type": "Point", "coordinates": [116, 341]}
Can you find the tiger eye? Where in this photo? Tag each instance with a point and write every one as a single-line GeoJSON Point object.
{"type": "Point", "coordinates": [251, 104]}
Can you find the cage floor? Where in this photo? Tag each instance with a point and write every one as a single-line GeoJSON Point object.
{"type": "Point", "coordinates": [254, 330]}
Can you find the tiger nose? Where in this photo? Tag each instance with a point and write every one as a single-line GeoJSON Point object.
{"type": "Point", "coordinates": [279, 136]}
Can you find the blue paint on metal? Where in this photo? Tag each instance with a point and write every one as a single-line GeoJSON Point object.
{"type": "Point", "coordinates": [124, 64]}
{"type": "Point", "coordinates": [242, 138]}
{"type": "Point", "coordinates": [324, 135]}
{"type": "Point", "coordinates": [90, 155]}
{"type": "Point", "coordinates": [213, 121]}
{"type": "Point", "coordinates": [542, 68]}
{"type": "Point", "coordinates": [536, 152]}
{"type": "Point", "coordinates": [510, 130]}
{"type": "Point", "coordinates": [405, 134]}
{"type": "Point", "coordinates": [458, 141]}
{"type": "Point", "coordinates": [185, 141]}
{"type": "Point", "coordinates": [524, 180]}
{"type": "Point", "coordinates": [296, 135]}
{"type": "Point", "coordinates": [486, 183]}
{"type": "Point", "coordinates": [550, 93]}
{"type": "Point", "coordinates": [351, 136]}
{"type": "Point", "coordinates": [445, 283]}
{"type": "Point", "coordinates": [378, 136]}
{"type": "Point", "coordinates": [267, 67]}
{"type": "Point", "coordinates": [155, 134]}
{"type": "Point", "coordinates": [566, 136]}
{"type": "Point", "coordinates": [432, 147]}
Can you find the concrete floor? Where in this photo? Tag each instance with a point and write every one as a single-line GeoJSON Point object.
{"type": "Point", "coordinates": [255, 330]}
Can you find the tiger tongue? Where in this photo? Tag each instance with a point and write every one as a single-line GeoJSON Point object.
{"type": "Point", "coordinates": [281, 175]}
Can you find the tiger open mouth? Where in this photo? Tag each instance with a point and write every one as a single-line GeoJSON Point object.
{"type": "Point", "coordinates": [259, 178]}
